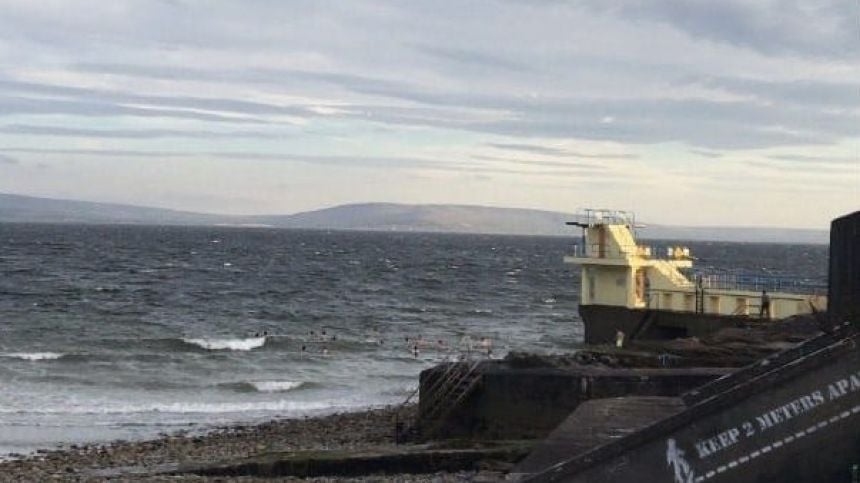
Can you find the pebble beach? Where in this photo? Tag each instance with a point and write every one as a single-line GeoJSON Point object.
{"type": "Point", "coordinates": [152, 460]}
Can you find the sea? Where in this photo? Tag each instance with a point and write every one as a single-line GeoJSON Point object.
{"type": "Point", "coordinates": [122, 332]}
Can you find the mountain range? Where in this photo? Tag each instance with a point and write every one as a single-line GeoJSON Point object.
{"type": "Point", "coordinates": [378, 217]}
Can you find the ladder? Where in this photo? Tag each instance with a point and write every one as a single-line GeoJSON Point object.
{"type": "Point", "coordinates": [700, 295]}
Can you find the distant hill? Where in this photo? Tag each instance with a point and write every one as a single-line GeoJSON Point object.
{"type": "Point", "coordinates": [432, 218]}
{"type": "Point", "coordinates": [378, 217]}
{"type": "Point", "coordinates": [28, 209]}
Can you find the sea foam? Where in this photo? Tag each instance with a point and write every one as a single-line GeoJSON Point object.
{"type": "Point", "coordinates": [228, 344]}
{"type": "Point", "coordinates": [276, 386]}
{"type": "Point", "coordinates": [113, 407]}
{"type": "Point", "coordinates": [34, 356]}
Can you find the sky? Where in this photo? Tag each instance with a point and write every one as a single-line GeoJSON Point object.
{"type": "Point", "coordinates": [737, 112]}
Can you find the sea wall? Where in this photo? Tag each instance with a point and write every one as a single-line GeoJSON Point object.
{"type": "Point", "coordinates": [514, 403]}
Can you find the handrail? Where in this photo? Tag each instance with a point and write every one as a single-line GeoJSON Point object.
{"type": "Point", "coordinates": [399, 410]}
{"type": "Point", "coordinates": [452, 368]}
{"type": "Point", "coordinates": [757, 283]}
{"type": "Point", "coordinates": [669, 272]}
{"type": "Point", "coordinates": [604, 216]}
{"type": "Point", "coordinates": [451, 385]}
{"type": "Point", "coordinates": [614, 251]}
{"type": "Point", "coordinates": [437, 411]}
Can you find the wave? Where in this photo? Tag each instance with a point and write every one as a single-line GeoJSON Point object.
{"type": "Point", "coordinates": [34, 356]}
{"type": "Point", "coordinates": [276, 386]}
{"type": "Point", "coordinates": [246, 344]}
{"type": "Point", "coordinates": [264, 386]}
{"type": "Point", "coordinates": [183, 408]}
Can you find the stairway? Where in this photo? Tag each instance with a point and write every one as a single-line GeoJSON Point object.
{"type": "Point", "coordinates": [442, 396]}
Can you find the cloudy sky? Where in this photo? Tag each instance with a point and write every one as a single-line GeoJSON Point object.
{"type": "Point", "coordinates": [686, 111]}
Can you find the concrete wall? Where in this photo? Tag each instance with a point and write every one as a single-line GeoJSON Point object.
{"type": "Point", "coordinates": [611, 285]}
{"type": "Point", "coordinates": [512, 403]}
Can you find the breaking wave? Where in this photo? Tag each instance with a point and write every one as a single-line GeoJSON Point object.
{"type": "Point", "coordinates": [247, 344]}
{"type": "Point", "coordinates": [264, 386]}
{"type": "Point", "coordinates": [182, 408]}
{"type": "Point", "coordinates": [34, 356]}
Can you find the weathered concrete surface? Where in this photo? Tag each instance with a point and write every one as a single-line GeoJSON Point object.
{"type": "Point", "coordinates": [527, 395]}
{"type": "Point", "coordinates": [728, 347]}
{"type": "Point", "coordinates": [595, 423]}
{"type": "Point", "coordinates": [606, 320]}
{"type": "Point", "coordinates": [379, 461]}
{"type": "Point", "coordinates": [794, 421]}
{"type": "Point", "coordinates": [513, 402]}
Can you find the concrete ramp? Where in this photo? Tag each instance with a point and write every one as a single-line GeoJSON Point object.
{"type": "Point", "coordinates": [595, 423]}
{"type": "Point", "coordinates": [794, 421]}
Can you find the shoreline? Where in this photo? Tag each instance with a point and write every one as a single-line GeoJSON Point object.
{"type": "Point", "coordinates": [158, 459]}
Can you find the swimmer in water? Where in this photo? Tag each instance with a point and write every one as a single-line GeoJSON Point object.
{"type": "Point", "coordinates": [487, 345]}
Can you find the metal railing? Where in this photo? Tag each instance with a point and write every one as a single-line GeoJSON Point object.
{"type": "Point", "coordinates": [440, 396]}
{"type": "Point", "coordinates": [610, 251]}
{"type": "Point", "coordinates": [758, 283]}
{"type": "Point", "coordinates": [593, 250]}
{"type": "Point", "coordinates": [446, 393]}
{"type": "Point", "coordinates": [603, 216]}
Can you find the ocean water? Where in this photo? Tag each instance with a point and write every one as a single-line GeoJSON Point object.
{"type": "Point", "coordinates": [125, 332]}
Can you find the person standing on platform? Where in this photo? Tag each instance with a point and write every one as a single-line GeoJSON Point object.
{"type": "Point", "coordinates": [764, 310]}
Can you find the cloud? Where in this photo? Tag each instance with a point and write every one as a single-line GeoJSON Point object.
{"type": "Point", "coordinates": [37, 130]}
{"type": "Point", "coordinates": [38, 98]}
{"type": "Point", "coordinates": [717, 124]}
{"type": "Point", "coordinates": [6, 159]}
{"type": "Point", "coordinates": [560, 152]}
{"type": "Point", "coordinates": [853, 161]}
{"type": "Point", "coordinates": [529, 148]}
{"type": "Point", "coordinates": [472, 59]}
{"type": "Point", "coordinates": [496, 166]}
{"type": "Point", "coordinates": [533, 162]}
{"type": "Point", "coordinates": [819, 167]}
{"type": "Point", "coordinates": [707, 153]}
{"type": "Point", "coordinates": [501, 86]}
{"type": "Point", "coordinates": [697, 122]}
{"type": "Point", "coordinates": [810, 28]}
{"type": "Point", "coordinates": [89, 108]}
{"type": "Point", "coordinates": [806, 93]}
{"type": "Point", "coordinates": [280, 77]}
{"type": "Point", "coordinates": [340, 160]}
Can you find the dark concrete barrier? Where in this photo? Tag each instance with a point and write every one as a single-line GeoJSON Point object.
{"type": "Point", "coordinates": [843, 303]}
{"type": "Point", "coordinates": [799, 421]}
{"type": "Point", "coordinates": [523, 403]}
{"type": "Point", "coordinates": [382, 462]}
